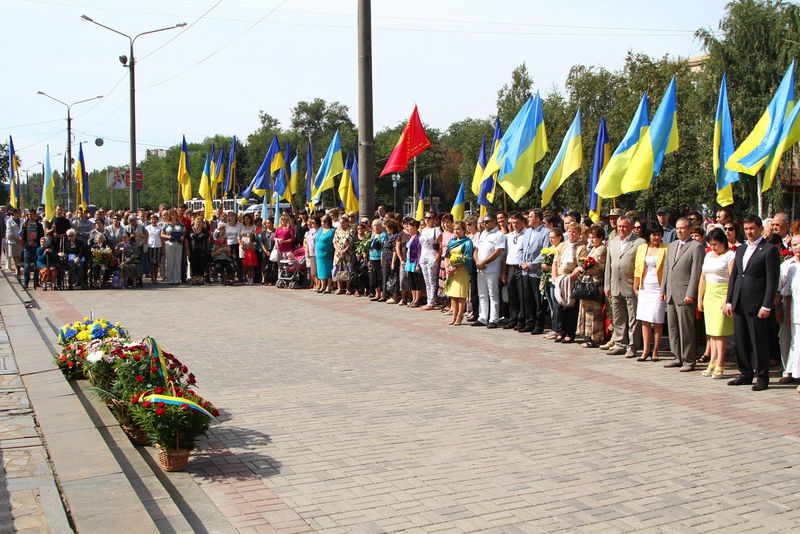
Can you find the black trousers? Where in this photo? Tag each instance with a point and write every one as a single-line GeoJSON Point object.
{"type": "Point", "coordinates": [516, 294]}
{"type": "Point", "coordinates": [752, 345]}
{"type": "Point", "coordinates": [567, 320]}
{"type": "Point", "coordinates": [533, 307]}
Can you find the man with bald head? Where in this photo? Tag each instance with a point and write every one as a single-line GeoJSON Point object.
{"type": "Point", "coordinates": [780, 226]}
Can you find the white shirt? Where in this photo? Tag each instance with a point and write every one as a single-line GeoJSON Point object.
{"type": "Point", "coordinates": [153, 235]}
{"type": "Point", "coordinates": [748, 253]}
{"type": "Point", "coordinates": [623, 243]}
{"type": "Point", "coordinates": [232, 233]}
{"type": "Point", "coordinates": [514, 242]}
{"type": "Point", "coordinates": [488, 242]}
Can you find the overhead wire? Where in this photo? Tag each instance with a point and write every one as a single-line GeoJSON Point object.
{"type": "Point", "coordinates": [198, 19]}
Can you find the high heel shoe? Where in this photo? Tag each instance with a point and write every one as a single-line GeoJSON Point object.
{"type": "Point", "coordinates": [558, 339]}
{"type": "Point", "coordinates": [709, 370]}
{"type": "Point", "coordinates": [719, 372]}
{"type": "Point", "coordinates": [644, 358]}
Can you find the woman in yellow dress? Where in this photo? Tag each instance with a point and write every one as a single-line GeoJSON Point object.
{"type": "Point", "coordinates": [458, 264]}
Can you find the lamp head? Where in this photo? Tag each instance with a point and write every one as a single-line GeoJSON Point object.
{"type": "Point", "coordinates": [84, 17]}
{"type": "Point", "coordinates": [123, 59]}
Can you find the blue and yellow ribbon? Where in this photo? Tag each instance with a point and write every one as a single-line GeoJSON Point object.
{"type": "Point", "coordinates": [155, 350]}
{"type": "Point", "coordinates": [167, 399]}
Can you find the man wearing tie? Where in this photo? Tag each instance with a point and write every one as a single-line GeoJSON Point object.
{"type": "Point", "coordinates": [751, 295]}
{"type": "Point", "coordinates": [684, 265]}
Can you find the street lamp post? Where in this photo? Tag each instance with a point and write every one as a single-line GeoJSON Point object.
{"type": "Point", "coordinates": [130, 63]}
{"type": "Point", "coordinates": [68, 169]}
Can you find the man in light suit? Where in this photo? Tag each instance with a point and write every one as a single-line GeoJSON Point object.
{"type": "Point", "coordinates": [751, 297]}
{"type": "Point", "coordinates": [620, 259]}
{"type": "Point", "coordinates": [684, 263]}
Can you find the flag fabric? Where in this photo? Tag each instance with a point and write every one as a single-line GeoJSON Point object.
{"type": "Point", "coordinates": [332, 166]}
{"type": "Point", "coordinates": [354, 179]}
{"type": "Point", "coordinates": [294, 176]}
{"type": "Point", "coordinates": [522, 146]}
{"type": "Point", "coordinates": [752, 154]}
{"type": "Point", "coordinates": [81, 180]}
{"type": "Point", "coordinates": [282, 179]}
{"type": "Point", "coordinates": [489, 185]}
{"type": "Point", "coordinates": [477, 177]}
{"type": "Point", "coordinates": [48, 189]}
{"type": "Point", "coordinates": [723, 148]}
{"type": "Point", "coordinates": [658, 140]}
{"type": "Point", "coordinates": [230, 177]}
{"type": "Point", "coordinates": [213, 160]}
{"type": "Point", "coordinates": [309, 179]}
{"type": "Point", "coordinates": [602, 153]}
{"type": "Point", "coordinates": [790, 135]}
{"type": "Point", "coordinates": [610, 183]}
{"type": "Point", "coordinates": [568, 160]}
{"type": "Point", "coordinates": [457, 210]}
{"type": "Point", "coordinates": [412, 141]}
{"type": "Point", "coordinates": [219, 172]}
{"type": "Point", "coordinates": [184, 176]}
{"type": "Point", "coordinates": [273, 161]}
{"type": "Point", "coordinates": [346, 192]}
{"type": "Point", "coordinates": [421, 202]}
{"type": "Point", "coordinates": [13, 178]}
{"type": "Point", "coordinates": [205, 190]}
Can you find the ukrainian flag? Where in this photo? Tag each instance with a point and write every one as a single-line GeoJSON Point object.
{"type": "Point", "coordinates": [723, 148]}
{"type": "Point", "coordinates": [273, 161]}
{"type": "Point", "coordinates": [184, 178]}
{"type": "Point", "coordinates": [294, 175]}
{"type": "Point", "coordinates": [458, 205]}
{"type": "Point", "coordinates": [660, 139]}
{"type": "Point", "coordinates": [602, 153]}
{"type": "Point", "coordinates": [609, 184]}
{"type": "Point", "coordinates": [48, 189]}
{"type": "Point", "coordinates": [230, 177]}
{"type": "Point", "coordinates": [81, 180]}
{"type": "Point", "coordinates": [354, 180]}
{"type": "Point", "coordinates": [489, 186]}
{"type": "Point", "coordinates": [421, 203]}
{"type": "Point", "coordinates": [218, 172]}
{"type": "Point", "coordinates": [13, 171]}
{"type": "Point", "coordinates": [213, 160]}
{"type": "Point", "coordinates": [752, 154]}
{"type": "Point", "coordinates": [523, 145]}
{"type": "Point", "coordinates": [568, 160]}
{"type": "Point", "coordinates": [345, 182]}
{"type": "Point", "coordinates": [332, 166]}
{"type": "Point", "coordinates": [205, 190]}
{"type": "Point", "coordinates": [790, 134]}
{"type": "Point", "coordinates": [283, 185]}
{"type": "Point", "coordinates": [477, 177]}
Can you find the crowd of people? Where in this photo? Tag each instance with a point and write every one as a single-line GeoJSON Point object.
{"type": "Point", "coordinates": [721, 286]}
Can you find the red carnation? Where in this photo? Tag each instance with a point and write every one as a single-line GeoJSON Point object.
{"type": "Point", "coordinates": [62, 358]}
{"type": "Point", "coordinates": [137, 357]}
{"type": "Point", "coordinates": [172, 366]}
{"type": "Point", "coordinates": [139, 378]}
{"type": "Point", "coordinates": [191, 379]}
{"type": "Point", "coordinates": [145, 404]}
{"type": "Point", "coordinates": [158, 390]}
{"type": "Point", "coordinates": [184, 407]}
{"type": "Point", "coordinates": [184, 369]}
{"type": "Point", "coordinates": [159, 411]}
{"type": "Point", "coordinates": [70, 364]}
{"type": "Point", "coordinates": [134, 399]}
{"type": "Point", "coordinates": [215, 412]}
{"type": "Point", "coordinates": [170, 379]}
{"type": "Point", "coordinates": [153, 369]}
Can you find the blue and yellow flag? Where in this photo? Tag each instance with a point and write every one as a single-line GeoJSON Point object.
{"type": "Point", "coordinates": [282, 188]}
{"type": "Point", "coordinates": [602, 153]}
{"type": "Point", "coordinates": [457, 211]}
{"type": "Point", "coordinates": [477, 177]}
{"type": "Point", "coordinates": [332, 166]}
{"type": "Point", "coordinates": [790, 135]}
{"type": "Point", "coordinates": [230, 177]}
{"type": "Point", "coordinates": [205, 190]}
{"type": "Point", "coordinates": [420, 215]}
{"type": "Point", "coordinates": [723, 148]}
{"type": "Point", "coordinates": [610, 183]}
{"type": "Point", "coordinates": [752, 154]}
{"type": "Point", "coordinates": [81, 180]}
{"type": "Point", "coordinates": [294, 176]}
{"type": "Point", "coordinates": [13, 175]}
{"type": "Point", "coordinates": [309, 179]}
{"type": "Point", "coordinates": [273, 161]}
{"type": "Point", "coordinates": [219, 172]}
{"type": "Point", "coordinates": [213, 160]}
{"type": "Point", "coordinates": [489, 186]}
{"type": "Point", "coordinates": [660, 139]}
{"type": "Point", "coordinates": [184, 176]}
{"type": "Point", "coordinates": [523, 145]}
{"type": "Point", "coordinates": [354, 180]}
{"type": "Point", "coordinates": [48, 189]}
{"type": "Point", "coordinates": [568, 160]}
{"type": "Point", "coordinates": [346, 193]}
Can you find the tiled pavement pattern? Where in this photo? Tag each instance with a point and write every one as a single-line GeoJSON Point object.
{"type": "Point", "coordinates": [29, 500]}
{"type": "Point", "coordinates": [343, 415]}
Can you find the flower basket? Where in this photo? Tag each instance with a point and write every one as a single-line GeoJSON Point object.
{"type": "Point", "coordinates": [138, 436]}
{"type": "Point", "coordinates": [173, 459]}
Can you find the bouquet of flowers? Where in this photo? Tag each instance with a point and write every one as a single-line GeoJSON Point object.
{"type": "Point", "coordinates": [548, 255]}
{"type": "Point", "coordinates": [587, 262]}
{"type": "Point", "coordinates": [457, 260]}
{"type": "Point", "coordinates": [102, 256]}
{"type": "Point", "coordinates": [72, 361]}
{"type": "Point", "coordinates": [362, 247]}
{"type": "Point", "coordinates": [88, 329]}
{"type": "Point", "coordinates": [786, 254]}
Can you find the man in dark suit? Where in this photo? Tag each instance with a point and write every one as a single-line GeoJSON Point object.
{"type": "Point", "coordinates": [751, 296]}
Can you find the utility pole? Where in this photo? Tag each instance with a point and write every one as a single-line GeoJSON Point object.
{"type": "Point", "coordinates": [366, 141]}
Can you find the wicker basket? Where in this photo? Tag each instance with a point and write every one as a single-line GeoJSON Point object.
{"type": "Point", "coordinates": [137, 435]}
{"type": "Point", "coordinates": [173, 460]}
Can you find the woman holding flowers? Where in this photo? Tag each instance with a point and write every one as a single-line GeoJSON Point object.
{"type": "Point", "coordinates": [590, 313]}
{"type": "Point", "coordinates": [648, 279]}
{"type": "Point", "coordinates": [548, 254]}
{"type": "Point", "coordinates": [343, 256]}
{"type": "Point", "coordinates": [565, 263]}
{"type": "Point", "coordinates": [458, 260]}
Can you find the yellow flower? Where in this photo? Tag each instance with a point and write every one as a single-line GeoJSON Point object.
{"type": "Point", "coordinates": [113, 332]}
{"type": "Point", "coordinates": [548, 250]}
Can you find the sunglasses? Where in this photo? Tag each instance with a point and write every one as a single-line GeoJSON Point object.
{"type": "Point", "coordinates": [730, 229]}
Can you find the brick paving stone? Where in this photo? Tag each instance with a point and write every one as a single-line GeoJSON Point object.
{"type": "Point", "coordinates": [341, 415]}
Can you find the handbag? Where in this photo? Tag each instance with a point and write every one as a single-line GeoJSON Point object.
{"type": "Point", "coordinates": [586, 290]}
{"type": "Point", "coordinates": [274, 255]}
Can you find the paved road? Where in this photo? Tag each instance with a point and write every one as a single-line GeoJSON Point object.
{"type": "Point", "coordinates": [343, 415]}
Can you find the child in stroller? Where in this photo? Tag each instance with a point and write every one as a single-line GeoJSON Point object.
{"type": "Point", "coordinates": [292, 270]}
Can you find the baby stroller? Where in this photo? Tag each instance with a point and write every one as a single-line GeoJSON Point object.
{"type": "Point", "coordinates": [292, 271]}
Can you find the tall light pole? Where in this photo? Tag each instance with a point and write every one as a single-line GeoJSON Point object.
{"type": "Point", "coordinates": [68, 170]}
{"type": "Point", "coordinates": [131, 63]}
{"type": "Point", "coordinates": [366, 141]}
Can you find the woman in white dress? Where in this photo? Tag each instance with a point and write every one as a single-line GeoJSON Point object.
{"type": "Point", "coordinates": [648, 279]}
{"type": "Point", "coordinates": [791, 313]}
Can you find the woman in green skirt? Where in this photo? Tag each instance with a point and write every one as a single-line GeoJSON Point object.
{"type": "Point", "coordinates": [712, 295]}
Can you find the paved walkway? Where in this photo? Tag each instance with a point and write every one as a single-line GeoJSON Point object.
{"type": "Point", "coordinates": [343, 415]}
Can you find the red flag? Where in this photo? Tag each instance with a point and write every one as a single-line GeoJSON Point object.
{"type": "Point", "coordinates": [413, 141]}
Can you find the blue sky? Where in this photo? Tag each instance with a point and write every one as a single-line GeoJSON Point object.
{"type": "Point", "coordinates": [449, 57]}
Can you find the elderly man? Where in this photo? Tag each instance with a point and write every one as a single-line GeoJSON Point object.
{"type": "Point", "coordinates": [683, 265]}
{"type": "Point", "coordinates": [620, 258]}
{"type": "Point", "coordinates": [512, 271]}
{"type": "Point", "coordinates": [488, 262]}
{"type": "Point", "coordinates": [538, 237]}
{"type": "Point", "coordinates": [780, 226]}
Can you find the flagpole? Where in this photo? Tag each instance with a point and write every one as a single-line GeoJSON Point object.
{"type": "Point", "coordinates": [759, 178]}
{"type": "Point", "coordinates": [414, 192]}
{"type": "Point", "coordinates": [505, 201]}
